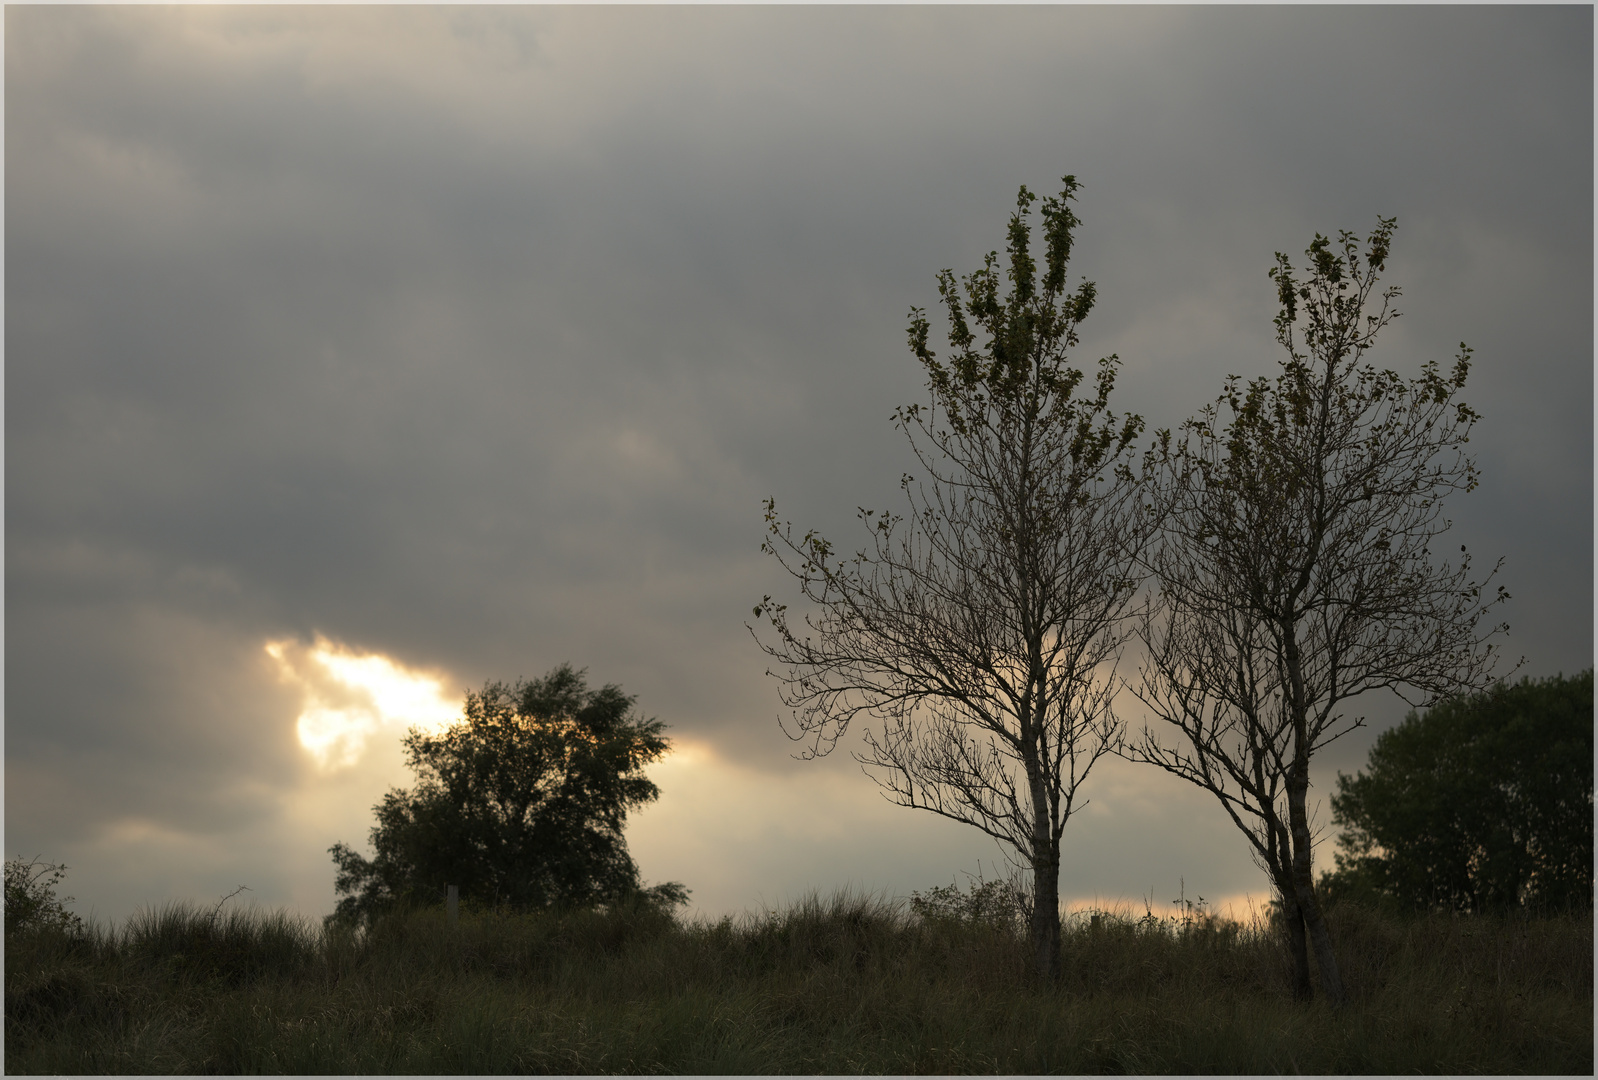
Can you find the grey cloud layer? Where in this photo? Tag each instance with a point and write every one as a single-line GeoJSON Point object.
{"type": "Point", "coordinates": [477, 336]}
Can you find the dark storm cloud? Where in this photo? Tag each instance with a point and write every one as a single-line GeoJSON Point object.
{"type": "Point", "coordinates": [477, 336]}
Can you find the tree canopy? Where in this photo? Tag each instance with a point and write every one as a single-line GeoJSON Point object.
{"type": "Point", "coordinates": [520, 804]}
{"type": "Point", "coordinates": [1482, 803]}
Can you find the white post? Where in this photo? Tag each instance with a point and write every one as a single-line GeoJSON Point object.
{"type": "Point", "coordinates": [453, 904]}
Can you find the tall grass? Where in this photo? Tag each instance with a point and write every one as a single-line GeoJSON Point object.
{"type": "Point", "coordinates": [846, 984]}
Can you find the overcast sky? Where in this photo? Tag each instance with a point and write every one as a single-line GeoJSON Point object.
{"type": "Point", "coordinates": [469, 341]}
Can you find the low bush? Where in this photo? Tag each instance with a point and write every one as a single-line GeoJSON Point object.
{"type": "Point", "coordinates": [30, 897]}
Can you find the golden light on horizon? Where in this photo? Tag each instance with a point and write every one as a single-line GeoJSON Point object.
{"type": "Point", "coordinates": [348, 696]}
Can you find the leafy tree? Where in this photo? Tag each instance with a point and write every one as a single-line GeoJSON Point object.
{"type": "Point", "coordinates": [1483, 803]}
{"type": "Point", "coordinates": [31, 902]}
{"type": "Point", "coordinates": [521, 804]}
{"type": "Point", "coordinates": [981, 627]}
{"type": "Point", "coordinates": [1296, 568]}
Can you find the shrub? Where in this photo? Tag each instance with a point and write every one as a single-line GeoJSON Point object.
{"type": "Point", "coordinates": [31, 902]}
{"type": "Point", "coordinates": [1002, 903]}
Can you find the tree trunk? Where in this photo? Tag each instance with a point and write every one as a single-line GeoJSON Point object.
{"type": "Point", "coordinates": [1044, 932]}
{"type": "Point", "coordinates": [1280, 864]}
{"type": "Point", "coordinates": [1297, 942]}
{"type": "Point", "coordinates": [1298, 815]}
{"type": "Point", "coordinates": [1045, 929]}
{"type": "Point", "coordinates": [1304, 883]}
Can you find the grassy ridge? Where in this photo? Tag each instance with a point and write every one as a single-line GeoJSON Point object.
{"type": "Point", "coordinates": [846, 985]}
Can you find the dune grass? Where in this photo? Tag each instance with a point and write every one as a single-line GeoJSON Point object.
{"type": "Point", "coordinates": [850, 984]}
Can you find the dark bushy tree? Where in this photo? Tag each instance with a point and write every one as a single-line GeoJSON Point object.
{"type": "Point", "coordinates": [1483, 803]}
{"type": "Point", "coordinates": [520, 804]}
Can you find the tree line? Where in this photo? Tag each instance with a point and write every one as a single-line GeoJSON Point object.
{"type": "Point", "coordinates": [1272, 558]}
{"type": "Point", "coordinates": [1269, 560]}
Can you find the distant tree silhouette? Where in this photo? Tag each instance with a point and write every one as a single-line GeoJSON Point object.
{"type": "Point", "coordinates": [520, 804]}
{"type": "Point", "coordinates": [1483, 803]}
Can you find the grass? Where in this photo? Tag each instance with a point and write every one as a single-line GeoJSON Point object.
{"type": "Point", "coordinates": [849, 984]}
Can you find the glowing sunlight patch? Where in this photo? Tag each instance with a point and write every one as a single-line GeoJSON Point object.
{"type": "Point", "coordinates": [348, 696]}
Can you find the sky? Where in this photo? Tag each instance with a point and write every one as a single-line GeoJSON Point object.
{"type": "Point", "coordinates": [357, 356]}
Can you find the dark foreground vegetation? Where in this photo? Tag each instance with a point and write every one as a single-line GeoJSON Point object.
{"type": "Point", "coordinates": [847, 985]}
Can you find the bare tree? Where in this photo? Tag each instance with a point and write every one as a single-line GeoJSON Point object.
{"type": "Point", "coordinates": [1296, 568]}
{"type": "Point", "coordinates": [981, 629]}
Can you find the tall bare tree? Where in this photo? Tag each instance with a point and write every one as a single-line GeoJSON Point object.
{"type": "Point", "coordinates": [981, 628]}
{"type": "Point", "coordinates": [1296, 568]}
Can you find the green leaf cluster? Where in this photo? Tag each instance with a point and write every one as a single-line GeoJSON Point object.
{"type": "Point", "coordinates": [520, 804]}
{"type": "Point", "coordinates": [1019, 376]}
{"type": "Point", "coordinates": [1483, 803]}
